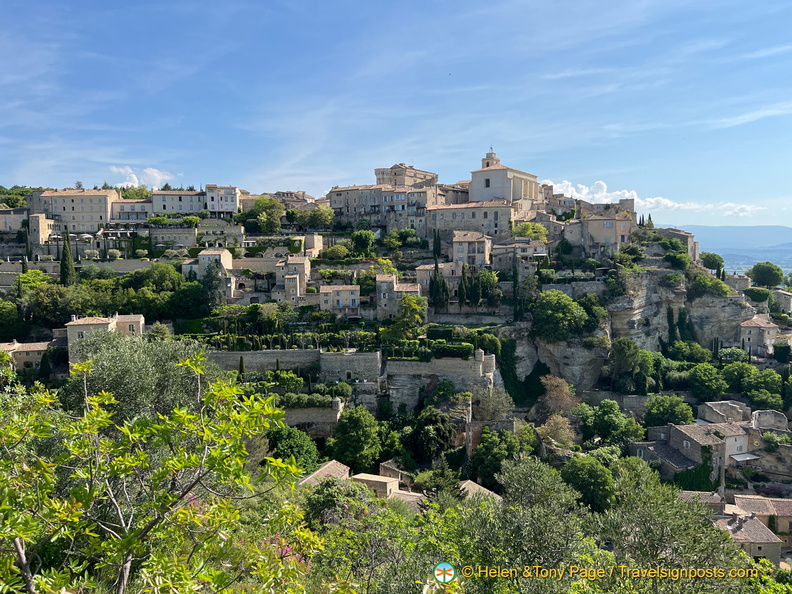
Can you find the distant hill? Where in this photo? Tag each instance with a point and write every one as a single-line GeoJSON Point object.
{"type": "Point", "coordinates": [742, 247]}
{"type": "Point", "coordinates": [736, 238]}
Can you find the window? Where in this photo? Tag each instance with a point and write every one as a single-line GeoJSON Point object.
{"type": "Point", "coordinates": [80, 335]}
{"type": "Point", "coordinates": [686, 444]}
{"type": "Point", "coordinates": [607, 224]}
{"type": "Point", "coordinates": [131, 327]}
{"type": "Point", "coordinates": [486, 182]}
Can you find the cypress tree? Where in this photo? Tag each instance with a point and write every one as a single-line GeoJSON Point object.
{"type": "Point", "coordinates": [24, 264]}
{"type": "Point", "coordinates": [242, 367]}
{"type": "Point", "coordinates": [463, 292]}
{"type": "Point", "coordinates": [45, 369]}
{"type": "Point", "coordinates": [672, 331]}
{"type": "Point", "coordinates": [436, 247]}
{"type": "Point", "coordinates": [68, 276]}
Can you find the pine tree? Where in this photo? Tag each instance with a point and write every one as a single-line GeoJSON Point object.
{"type": "Point", "coordinates": [68, 276]}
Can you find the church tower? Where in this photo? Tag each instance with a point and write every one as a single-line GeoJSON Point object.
{"type": "Point", "coordinates": [490, 159]}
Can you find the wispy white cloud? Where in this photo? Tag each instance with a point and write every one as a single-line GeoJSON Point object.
{"type": "Point", "coordinates": [598, 193]}
{"type": "Point", "coordinates": [768, 111]}
{"type": "Point", "coordinates": [577, 73]}
{"type": "Point", "coordinates": [136, 177]}
{"type": "Point", "coordinates": [768, 52]}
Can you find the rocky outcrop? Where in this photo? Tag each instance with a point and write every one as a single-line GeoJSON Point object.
{"type": "Point", "coordinates": [718, 317]}
{"type": "Point", "coordinates": [572, 361]}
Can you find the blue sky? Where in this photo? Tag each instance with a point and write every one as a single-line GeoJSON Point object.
{"type": "Point", "coordinates": [686, 106]}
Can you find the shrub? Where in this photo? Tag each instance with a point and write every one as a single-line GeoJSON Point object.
{"type": "Point", "coordinates": [678, 260]}
{"type": "Point", "coordinates": [141, 253]}
{"type": "Point", "coordinates": [114, 254]}
{"type": "Point", "coordinates": [671, 281]}
{"type": "Point", "coordinates": [757, 294]}
{"type": "Point", "coordinates": [596, 342]}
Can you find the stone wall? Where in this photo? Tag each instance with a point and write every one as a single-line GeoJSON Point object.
{"type": "Point", "coordinates": [769, 419]}
{"type": "Point", "coordinates": [578, 289]}
{"type": "Point", "coordinates": [350, 366]}
{"type": "Point", "coordinates": [463, 318]}
{"type": "Point", "coordinates": [407, 379]}
{"type": "Point", "coordinates": [316, 422]}
{"type": "Point", "coordinates": [474, 428]}
{"type": "Point", "coordinates": [260, 361]}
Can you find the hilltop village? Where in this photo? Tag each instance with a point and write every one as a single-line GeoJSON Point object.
{"type": "Point", "coordinates": [486, 373]}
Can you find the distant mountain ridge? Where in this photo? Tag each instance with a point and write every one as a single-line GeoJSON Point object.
{"type": "Point", "coordinates": [742, 247]}
{"type": "Point", "coordinates": [734, 237]}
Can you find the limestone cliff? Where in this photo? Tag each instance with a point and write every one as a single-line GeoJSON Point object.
{"type": "Point", "coordinates": [718, 317]}
{"type": "Point", "coordinates": [572, 361]}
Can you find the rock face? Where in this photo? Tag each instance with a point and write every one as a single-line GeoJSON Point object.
{"type": "Point", "coordinates": [641, 315]}
{"type": "Point", "coordinates": [573, 362]}
{"type": "Point", "coordinates": [718, 317]}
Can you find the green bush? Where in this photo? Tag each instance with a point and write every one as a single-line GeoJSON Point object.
{"type": "Point", "coordinates": [757, 294]}
{"type": "Point", "coordinates": [291, 400]}
{"type": "Point", "coordinates": [678, 260]}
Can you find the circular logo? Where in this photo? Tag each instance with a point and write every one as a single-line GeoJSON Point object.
{"type": "Point", "coordinates": [444, 573]}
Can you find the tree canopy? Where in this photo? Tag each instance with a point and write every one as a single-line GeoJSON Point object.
{"type": "Point", "coordinates": [765, 274]}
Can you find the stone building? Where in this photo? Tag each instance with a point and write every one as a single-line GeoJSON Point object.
{"type": "Point", "coordinates": [471, 247]}
{"type": "Point", "coordinates": [495, 181]}
{"type": "Point", "coordinates": [26, 354]}
{"type": "Point", "coordinates": [11, 219]}
{"type": "Point", "coordinates": [291, 278]}
{"type": "Point", "coordinates": [79, 328]}
{"type": "Point", "coordinates": [492, 218]}
{"type": "Point", "coordinates": [758, 336]}
{"type": "Point", "coordinates": [389, 293]}
{"type": "Point", "coordinates": [754, 538]}
{"type": "Point", "coordinates": [131, 210]}
{"type": "Point", "coordinates": [77, 210]}
{"type": "Point", "coordinates": [342, 300]}
{"type": "Point", "coordinates": [405, 175]}
{"type": "Point", "coordinates": [520, 250]}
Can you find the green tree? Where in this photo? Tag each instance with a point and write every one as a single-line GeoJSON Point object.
{"type": "Point", "coordinates": [431, 435]}
{"type": "Point", "coordinates": [214, 284]}
{"type": "Point", "coordinates": [711, 261]}
{"type": "Point", "coordinates": [706, 382]}
{"type": "Point", "coordinates": [557, 316]}
{"type": "Point", "coordinates": [136, 508]}
{"type": "Point", "coordinates": [68, 275]}
{"type": "Point", "coordinates": [624, 360]}
{"type": "Point", "coordinates": [437, 249]}
{"type": "Point", "coordinates": [355, 441]}
{"type": "Point", "coordinates": [765, 274]}
{"type": "Point", "coordinates": [158, 331]}
{"type": "Point", "coordinates": [363, 241]}
{"type": "Point", "coordinates": [11, 323]}
{"type": "Point", "coordinates": [662, 409]}
{"type": "Point", "coordinates": [337, 252]}
{"type": "Point", "coordinates": [738, 375]}
{"type": "Point", "coordinates": [532, 230]}
{"type": "Point", "coordinates": [266, 213]}
{"type": "Point", "coordinates": [486, 461]}
{"type": "Point", "coordinates": [591, 479]}
{"type": "Point", "coordinates": [412, 313]}
{"type": "Point", "coordinates": [333, 500]}
{"type": "Point", "coordinates": [289, 442]}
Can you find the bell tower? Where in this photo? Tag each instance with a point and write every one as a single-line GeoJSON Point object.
{"type": "Point", "coordinates": [490, 159]}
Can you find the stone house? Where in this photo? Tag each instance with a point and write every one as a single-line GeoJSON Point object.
{"type": "Point", "coordinates": [342, 300]}
{"type": "Point", "coordinates": [26, 354]}
{"type": "Point", "coordinates": [330, 469]}
{"type": "Point", "coordinates": [11, 219]}
{"type": "Point", "coordinates": [516, 250]}
{"type": "Point", "coordinates": [291, 278]}
{"type": "Point", "coordinates": [773, 512]}
{"type": "Point", "coordinates": [784, 300]}
{"type": "Point", "coordinates": [389, 293]}
{"type": "Point", "coordinates": [756, 539]}
{"type": "Point", "coordinates": [758, 335]}
{"type": "Point", "coordinates": [383, 486]}
{"type": "Point", "coordinates": [79, 328]}
{"type": "Point", "coordinates": [471, 247]}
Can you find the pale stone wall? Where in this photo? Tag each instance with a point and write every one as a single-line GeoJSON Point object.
{"type": "Point", "coordinates": [260, 361]}
{"type": "Point", "coordinates": [350, 365]}
{"type": "Point", "coordinates": [316, 422]}
{"type": "Point", "coordinates": [406, 379]}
